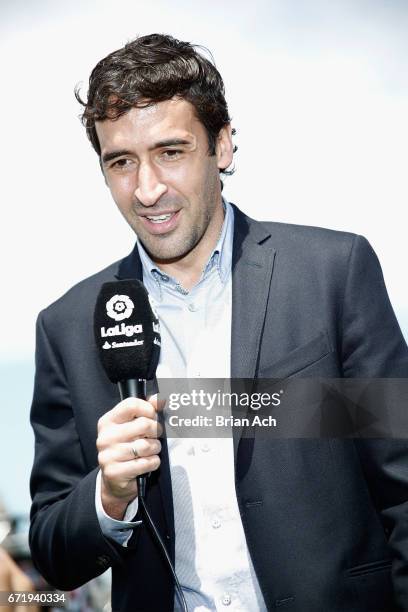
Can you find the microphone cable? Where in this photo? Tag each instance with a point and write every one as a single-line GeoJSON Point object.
{"type": "Point", "coordinates": [133, 388]}
{"type": "Point", "coordinates": [141, 484]}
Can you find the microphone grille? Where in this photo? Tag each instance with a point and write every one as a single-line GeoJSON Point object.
{"type": "Point", "coordinates": [127, 331]}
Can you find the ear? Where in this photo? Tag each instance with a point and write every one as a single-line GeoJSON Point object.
{"type": "Point", "coordinates": [224, 147]}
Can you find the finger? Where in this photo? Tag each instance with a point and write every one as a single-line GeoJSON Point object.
{"type": "Point", "coordinates": [127, 410]}
{"type": "Point", "coordinates": [157, 403]}
{"type": "Point", "coordinates": [114, 434]}
{"type": "Point", "coordinates": [132, 408]}
{"type": "Point", "coordinates": [143, 447]}
{"type": "Point", "coordinates": [140, 428]}
{"type": "Point", "coordinates": [128, 470]}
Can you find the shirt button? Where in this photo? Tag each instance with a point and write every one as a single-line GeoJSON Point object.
{"type": "Point", "coordinates": [192, 307]}
{"type": "Point", "coordinates": [226, 599]}
{"type": "Point", "coordinates": [216, 523]}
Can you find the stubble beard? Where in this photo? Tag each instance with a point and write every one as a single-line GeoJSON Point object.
{"type": "Point", "coordinates": [171, 247]}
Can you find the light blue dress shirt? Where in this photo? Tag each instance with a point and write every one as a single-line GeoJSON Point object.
{"type": "Point", "coordinates": [211, 556]}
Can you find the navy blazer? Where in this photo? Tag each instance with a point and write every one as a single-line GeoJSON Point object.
{"type": "Point", "coordinates": [326, 520]}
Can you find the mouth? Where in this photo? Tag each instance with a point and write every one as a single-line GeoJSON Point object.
{"type": "Point", "coordinates": [160, 224]}
{"type": "Point", "coordinates": [159, 218]}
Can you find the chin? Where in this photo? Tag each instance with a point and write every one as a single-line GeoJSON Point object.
{"type": "Point", "coordinates": [162, 252]}
{"type": "Point", "coordinates": [167, 256]}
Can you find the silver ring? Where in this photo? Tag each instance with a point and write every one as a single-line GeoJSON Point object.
{"type": "Point", "coordinates": [134, 451]}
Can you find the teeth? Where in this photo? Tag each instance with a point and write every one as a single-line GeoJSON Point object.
{"type": "Point", "coordinates": [159, 218]}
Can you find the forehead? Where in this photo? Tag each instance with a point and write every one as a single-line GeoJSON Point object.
{"type": "Point", "coordinates": [144, 126]}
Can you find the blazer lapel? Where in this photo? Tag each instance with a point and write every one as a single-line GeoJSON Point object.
{"type": "Point", "coordinates": [252, 266]}
{"type": "Point", "coordinates": [130, 266]}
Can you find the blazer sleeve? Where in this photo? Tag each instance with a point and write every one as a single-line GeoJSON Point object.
{"type": "Point", "coordinates": [67, 544]}
{"type": "Point", "coordinates": [373, 347]}
{"type": "Point", "coordinates": [372, 344]}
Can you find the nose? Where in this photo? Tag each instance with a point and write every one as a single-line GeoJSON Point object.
{"type": "Point", "coordinates": [149, 188]}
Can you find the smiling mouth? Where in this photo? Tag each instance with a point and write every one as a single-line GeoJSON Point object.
{"type": "Point", "coordinates": [162, 223]}
{"type": "Point", "coordinates": [160, 218]}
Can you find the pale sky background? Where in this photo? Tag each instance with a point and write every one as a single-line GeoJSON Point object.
{"type": "Point", "coordinates": [318, 92]}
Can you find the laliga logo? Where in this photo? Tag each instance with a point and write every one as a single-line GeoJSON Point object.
{"type": "Point", "coordinates": [119, 307]}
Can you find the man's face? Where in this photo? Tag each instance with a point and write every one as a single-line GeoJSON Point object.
{"type": "Point", "coordinates": [157, 167]}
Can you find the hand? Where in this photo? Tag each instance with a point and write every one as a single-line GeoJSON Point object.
{"type": "Point", "coordinates": [130, 426]}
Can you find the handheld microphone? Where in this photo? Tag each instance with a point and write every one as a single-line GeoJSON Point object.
{"type": "Point", "coordinates": [127, 335]}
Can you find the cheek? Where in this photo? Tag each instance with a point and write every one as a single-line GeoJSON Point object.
{"type": "Point", "coordinates": [122, 188]}
{"type": "Point", "coordinates": [177, 176]}
{"type": "Point", "coordinates": [193, 179]}
{"type": "Point", "coordinates": [207, 183]}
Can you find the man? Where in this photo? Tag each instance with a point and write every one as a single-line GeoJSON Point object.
{"type": "Point", "coordinates": [299, 524]}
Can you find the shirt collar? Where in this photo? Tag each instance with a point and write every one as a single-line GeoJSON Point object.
{"type": "Point", "coordinates": [221, 256]}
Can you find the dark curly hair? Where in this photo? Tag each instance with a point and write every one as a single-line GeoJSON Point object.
{"type": "Point", "coordinates": [152, 69]}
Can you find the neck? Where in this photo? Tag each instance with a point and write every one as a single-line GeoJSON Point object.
{"type": "Point", "coordinates": [188, 269]}
{"type": "Point", "coordinates": [187, 276]}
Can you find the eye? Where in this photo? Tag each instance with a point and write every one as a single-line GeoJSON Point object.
{"type": "Point", "coordinates": [121, 164]}
{"type": "Point", "coordinates": [171, 154]}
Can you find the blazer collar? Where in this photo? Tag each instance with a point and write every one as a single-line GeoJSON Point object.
{"type": "Point", "coordinates": [130, 266]}
{"type": "Point", "coordinates": [252, 266]}
{"type": "Point", "coordinates": [248, 233]}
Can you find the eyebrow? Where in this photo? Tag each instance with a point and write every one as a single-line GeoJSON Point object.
{"type": "Point", "coordinates": [107, 157]}
{"type": "Point", "coordinates": [169, 142]}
